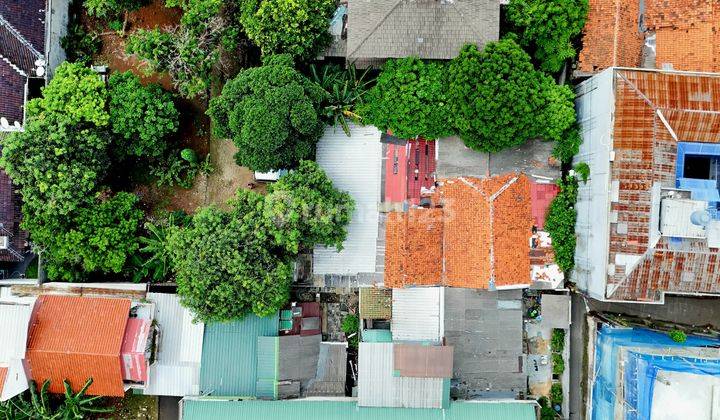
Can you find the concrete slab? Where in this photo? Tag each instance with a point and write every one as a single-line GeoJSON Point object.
{"type": "Point", "coordinates": [555, 310]}
{"type": "Point", "coordinates": [455, 159]}
{"type": "Point", "coordinates": [532, 158]}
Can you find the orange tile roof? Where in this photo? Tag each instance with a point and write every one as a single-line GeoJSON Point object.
{"type": "Point", "coordinates": [481, 232]}
{"type": "Point", "coordinates": [3, 376]}
{"type": "Point", "coordinates": [611, 36]}
{"type": "Point", "coordinates": [76, 338]}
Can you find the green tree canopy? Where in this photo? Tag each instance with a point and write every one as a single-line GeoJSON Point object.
{"type": "Point", "coordinates": [304, 208]}
{"type": "Point", "coordinates": [549, 27]}
{"type": "Point", "coordinates": [227, 265]}
{"type": "Point", "coordinates": [296, 27]}
{"type": "Point", "coordinates": [111, 8]}
{"type": "Point", "coordinates": [142, 115]}
{"type": "Point", "coordinates": [410, 99]}
{"type": "Point", "coordinates": [75, 95]}
{"type": "Point", "coordinates": [271, 113]}
{"type": "Point", "coordinates": [499, 100]}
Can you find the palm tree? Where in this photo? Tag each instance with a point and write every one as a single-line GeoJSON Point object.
{"type": "Point", "coordinates": [77, 405]}
{"type": "Point", "coordinates": [345, 91]}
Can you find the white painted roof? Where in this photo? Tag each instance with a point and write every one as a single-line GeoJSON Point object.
{"type": "Point", "coordinates": [354, 165]}
{"type": "Point", "coordinates": [14, 322]}
{"type": "Point", "coordinates": [378, 387]}
{"type": "Point", "coordinates": [176, 370]}
{"type": "Point", "coordinates": [417, 314]}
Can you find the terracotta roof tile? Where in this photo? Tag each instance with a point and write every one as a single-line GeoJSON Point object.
{"type": "Point", "coordinates": [76, 338]}
{"type": "Point", "coordinates": [611, 36]}
{"type": "Point", "coordinates": [481, 231]}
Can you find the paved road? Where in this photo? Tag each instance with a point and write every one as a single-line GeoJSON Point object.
{"type": "Point", "coordinates": [683, 309]}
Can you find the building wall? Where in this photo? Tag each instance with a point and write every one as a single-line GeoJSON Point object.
{"type": "Point", "coordinates": [594, 105]}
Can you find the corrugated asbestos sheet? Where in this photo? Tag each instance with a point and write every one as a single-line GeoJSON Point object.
{"type": "Point", "coordinates": [353, 163]}
{"type": "Point", "coordinates": [229, 359]}
{"type": "Point", "coordinates": [416, 314]}
{"type": "Point", "coordinates": [176, 370]}
{"type": "Point", "coordinates": [331, 371]}
{"type": "Point", "coordinates": [14, 319]}
{"type": "Point", "coordinates": [348, 410]}
{"type": "Point", "coordinates": [379, 387]}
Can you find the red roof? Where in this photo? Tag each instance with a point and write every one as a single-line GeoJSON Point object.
{"type": "Point", "coordinates": [76, 338]}
{"type": "Point", "coordinates": [3, 377]}
{"type": "Point", "coordinates": [408, 169]}
{"type": "Point", "coordinates": [542, 195]}
{"type": "Point", "coordinates": [480, 233]}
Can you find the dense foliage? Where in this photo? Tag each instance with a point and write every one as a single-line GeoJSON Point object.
{"type": "Point", "coordinates": [227, 265]}
{"type": "Point", "coordinates": [303, 209]}
{"type": "Point", "coordinates": [677, 336]}
{"type": "Point", "coordinates": [345, 94]}
{"type": "Point", "coordinates": [42, 406]}
{"type": "Point", "coordinates": [560, 223]}
{"type": "Point", "coordinates": [142, 115]}
{"type": "Point", "coordinates": [80, 45]}
{"type": "Point", "coordinates": [271, 114]}
{"type": "Point", "coordinates": [410, 99]}
{"type": "Point", "coordinates": [111, 8]}
{"type": "Point", "coordinates": [351, 327]}
{"type": "Point", "coordinates": [498, 100]}
{"type": "Point", "coordinates": [549, 27]}
{"type": "Point", "coordinates": [295, 27]}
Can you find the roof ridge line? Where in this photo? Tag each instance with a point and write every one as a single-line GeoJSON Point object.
{"type": "Point", "coordinates": [637, 90]}
{"type": "Point", "coordinates": [18, 35]}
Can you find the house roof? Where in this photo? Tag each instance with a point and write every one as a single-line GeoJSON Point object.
{"type": "Point", "coordinates": [653, 112]}
{"type": "Point", "coordinates": [354, 165]}
{"type": "Point", "coordinates": [686, 35]}
{"type": "Point", "coordinates": [22, 42]}
{"type": "Point", "coordinates": [10, 216]}
{"type": "Point", "coordinates": [3, 375]}
{"type": "Point", "coordinates": [478, 238]}
{"type": "Point", "coordinates": [416, 314]}
{"type": "Point", "coordinates": [66, 343]}
{"type": "Point", "coordinates": [201, 409]}
{"type": "Point", "coordinates": [425, 28]}
{"type": "Point", "coordinates": [379, 387]}
{"type": "Point", "coordinates": [14, 322]}
{"type": "Point", "coordinates": [420, 361]}
{"type": "Point", "coordinates": [221, 375]}
{"type": "Point", "coordinates": [375, 303]}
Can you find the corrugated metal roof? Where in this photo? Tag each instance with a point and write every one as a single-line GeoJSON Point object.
{"type": "Point", "coordinates": [229, 362]}
{"type": "Point", "coordinates": [416, 314]}
{"type": "Point", "coordinates": [14, 320]}
{"type": "Point", "coordinates": [176, 370]}
{"type": "Point", "coordinates": [379, 387]}
{"type": "Point", "coordinates": [377, 336]}
{"type": "Point", "coordinates": [348, 410]}
{"type": "Point", "coordinates": [76, 338]}
{"type": "Point", "coordinates": [354, 165]}
{"type": "Point", "coordinates": [267, 367]}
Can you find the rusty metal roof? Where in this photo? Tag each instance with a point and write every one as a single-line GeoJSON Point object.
{"type": "Point", "coordinates": [421, 361]}
{"type": "Point", "coordinates": [76, 338]}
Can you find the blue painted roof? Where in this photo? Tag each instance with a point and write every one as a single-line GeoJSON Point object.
{"type": "Point", "coordinates": [229, 358]}
{"type": "Point", "coordinates": [348, 410]}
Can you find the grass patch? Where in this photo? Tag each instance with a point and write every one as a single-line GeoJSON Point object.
{"type": "Point", "coordinates": [31, 272]}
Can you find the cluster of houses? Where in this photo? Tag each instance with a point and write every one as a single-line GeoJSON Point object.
{"type": "Point", "coordinates": [442, 248]}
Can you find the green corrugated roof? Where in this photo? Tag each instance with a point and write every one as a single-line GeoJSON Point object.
{"type": "Point", "coordinates": [267, 367]}
{"type": "Point", "coordinates": [377, 336]}
{"type": "Point", "coordinates": [229, 360]}
{"type": "Point", "coordinates": [348, 410]}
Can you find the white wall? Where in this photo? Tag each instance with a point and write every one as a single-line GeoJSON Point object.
{"type": "Point", "coordinates": [595, 106]}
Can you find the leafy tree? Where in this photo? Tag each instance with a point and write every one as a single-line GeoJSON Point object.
{"type": "Point", "coordinates": [345, 92]}
{"type": "Point", "coordinates": [560, 223]}
{"type": "Point", "coordinates": [80, 45]}
{"type": "Point", "coordinates": [498, 100]}
{"type": "Point", "coordinates": [99, 237]}
{"type": "Point", "coordinates": [549, 27]}
{"type": "Point", "coordinates": [56, 165]}
{"type": "Point", "coordinates": [143, 115]}
{"type": "Point", "coordinates": [111, 8]}
{"type": "Point", "coordinates": [410, 99]}
{"type": "Point", "coordinates": [303, 209]}
{"type": "Point", "coordinates": [226, 264]}
{"type": "Point", "coordinates": [296, 27]}
{"type": "Point", "coordinates": [271, 114]}
{"type": "Point", "coordinates": [76, 94]}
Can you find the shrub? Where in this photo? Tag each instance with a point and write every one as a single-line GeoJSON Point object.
{"type": "Point", "coordinates": [303, 209]}
{"type": "Point", "coordinates": [174, 170]}
{"type": "Point", "coordinates": [556, 394]}
{"type": "Point", "coordinates": [582, 169]}
{"type": "Point", "coordinates": [271, 114]}
{"type": "Point", "coordinates": [549, 27]}
{"type": "Point", "coordinates": [498, 100]}
{"type": "Point", "coordinates": [79, 46]}
{"type": "Point", "coordinates": [677, 336]}
{"type": "Point", "coordinates": [295, 27]}
{"type": "Point", "coordinates": [557, 341]}
{"type": "Point", "coordinates": [153, 46]}
{"type": "Point", "coordinates": [410, 99]}
{"type": "Point", "coordinates": [351, 325]}
{"type": "Point", "coordinates": [560, 223]}
{"type": "Point", "coordinates": [345, 94]}
{"type": "Point", "coordinates": [568, 145]}
{"type": "Point", "coordinates": [558, 364]}
{"type": "Point", "coordinates": [153, 259]}
{"type": "Point", "coordinates": [75, 95]}
{"type": "Point", "coordinates": [225, 264]}
{"type": "Point", "coordinates": [111, 8]}
{"type": "Point", "coordinates": [143, 115]}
